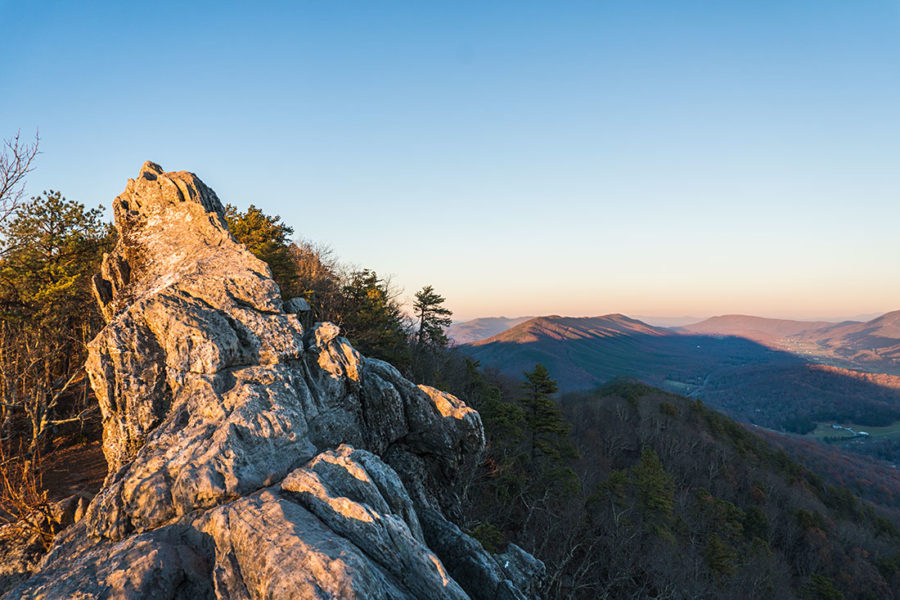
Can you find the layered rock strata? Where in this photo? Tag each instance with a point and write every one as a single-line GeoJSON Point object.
{"type": "Point", "coordinates": [249, 458]}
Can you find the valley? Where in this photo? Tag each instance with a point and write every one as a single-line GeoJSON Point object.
{"type": "Point", "coordinates": [784, 375]}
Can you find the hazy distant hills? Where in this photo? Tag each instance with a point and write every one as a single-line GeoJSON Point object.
{"type": "Point", "coordinates": [667, 321]}
{"type": "Point", "coordinates": [759, 329]}
{"type": "Point", "coordinates": [739, 364]}
{"type": "Point", "coordinates": [478, 329]}
{"type": "Point", "coordinates": [873, 345]}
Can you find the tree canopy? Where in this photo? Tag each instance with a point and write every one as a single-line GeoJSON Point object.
{"type": "Point", "coordinates": [372, 318]}
{"type": "Point", "coordinates": [52, 248]}
{"type": "Point", "coordinates": [546, 427]}
{"type": "Point", "coordinates": [430, 341]}
{"type": "Point", "coordinates": [269, 239]}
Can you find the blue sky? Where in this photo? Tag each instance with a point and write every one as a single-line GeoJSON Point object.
{"type": "Point", "coordinates": [661, 158]}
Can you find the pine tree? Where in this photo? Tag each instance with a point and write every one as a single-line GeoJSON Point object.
{"type": "Point", "coordinates": [720, 558]}
{"type": "Point", "coordinates": [820, 587]}
{"type": "Point", "coordinates": [51, 249]}
{"type": "Point", "coordinates": [371, 319]}
{"type": "Point", "coordinates": [655, 487]}
{"type": "Point", "coordinates": [269, 239]}
{"type": "Point", "coordinates": [432, 316]}
{"type": "Point", "coordinates": [547, 430]}
{"type": "Point", "coordinates": [430, 341]}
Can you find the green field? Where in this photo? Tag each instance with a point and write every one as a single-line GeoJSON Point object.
{"type": "Point", "coordinates": [825, 430]}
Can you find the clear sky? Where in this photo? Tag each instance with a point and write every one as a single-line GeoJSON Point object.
{"type": "Point", "coordinates": [661, 158]}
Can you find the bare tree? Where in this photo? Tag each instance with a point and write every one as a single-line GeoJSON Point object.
{"type": "Point", "coordinates": [16, 161]}
{"type": "Point", "coordinates": [23, 498]}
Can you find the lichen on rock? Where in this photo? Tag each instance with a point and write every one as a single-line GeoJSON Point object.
{"type": "Point", "coordinates": [249, 458]}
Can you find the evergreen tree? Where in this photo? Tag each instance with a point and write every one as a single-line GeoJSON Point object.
{"type": "Point", "coordinates": [372, 320]}
{"type": "Point", "coordinates": [820, 587]}
{"type": "Point", "coordinates": [52, 248]}
{"type": "Point", "coordinates": [547, 430]}
{"type": "Point", "coordinates": [430, 341]}
{"type": "Point", "coordinates": [720, 558]}
{"type": "Point", "coordinates": [496, 492]}
{"type": "Point", "coordinates": [270, 241]}
{"type": "Point", "coordinates": [655, 487]}
{"type": "Point", "coordinates": [432, 318]}
{"type": "Point", "coordinates": [755, 523]}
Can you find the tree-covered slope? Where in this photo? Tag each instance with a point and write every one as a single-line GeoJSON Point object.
{"type": "Point", "coordinates": [675, 500]}
{"type": "Point", "coordinates": [685, 497]}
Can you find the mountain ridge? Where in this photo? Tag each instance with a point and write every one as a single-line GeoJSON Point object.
{"type": "Point", "coordinates": [561, 328]}
{"type": "Point", "coordinates": [757, 382]}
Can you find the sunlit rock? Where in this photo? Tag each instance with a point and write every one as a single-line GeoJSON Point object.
{"type": "Point", "coordinates": [249, 458]}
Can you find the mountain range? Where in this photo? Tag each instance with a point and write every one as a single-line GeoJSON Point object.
{"type": "Point", "coordinates": [764, 371]}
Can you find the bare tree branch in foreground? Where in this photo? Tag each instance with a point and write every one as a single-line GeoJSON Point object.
{"type": "Point", "coordinates": [16, 161]}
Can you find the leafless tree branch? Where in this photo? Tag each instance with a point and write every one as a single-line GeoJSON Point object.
{"type": "Point", "coordinates": [16, 161]}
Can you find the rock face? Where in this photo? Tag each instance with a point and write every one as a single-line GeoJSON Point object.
{"type": "Point", "coordinates": [249, 458]}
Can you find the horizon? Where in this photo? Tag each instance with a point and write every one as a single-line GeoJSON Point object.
{"type": "Point", "coordinates": [521, 159]}
{"type": "Point", "coordinates": [661, 320]}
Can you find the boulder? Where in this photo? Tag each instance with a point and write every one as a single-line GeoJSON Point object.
{"type": "Point", "coordinates": [248, 457]}
{"type": "Point", "coordinates": [297, 305]}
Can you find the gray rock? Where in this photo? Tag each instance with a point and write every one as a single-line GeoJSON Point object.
{"type": "Point", "coordinates": [524, 571]}
{"type": "Point", "coordinates": [164, 563]}
{"type": "Point", "coordinates": [297, 305]}
{"type": "Point", "coordinates": [249, 458]}
{"type": "Point", "coordinates": [363, 500]}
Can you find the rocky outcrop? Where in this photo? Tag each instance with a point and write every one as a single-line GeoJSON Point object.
{"type": "Point", "coordinates": [249, 458]}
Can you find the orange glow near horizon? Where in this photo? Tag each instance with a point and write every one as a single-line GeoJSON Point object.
{"type": "Point", "coordinates": [811, 305]}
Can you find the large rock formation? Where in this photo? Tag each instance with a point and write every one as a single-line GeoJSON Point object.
{"type": "Point", "coordinates": [249, 458]}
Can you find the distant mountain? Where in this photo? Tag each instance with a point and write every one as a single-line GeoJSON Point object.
{"type": "Point", "coordinates": [667, 321]}
{"type": "Point", "coordinates": [758, 329]}
{"type": "Point", "coordinates": [573, 328]}
{"type": "Point", "coordinates": [873, 345]}
{"type": "Point", "coordinates": [474, 330]}
{"type": "Point", "coordinates": [753, 381]}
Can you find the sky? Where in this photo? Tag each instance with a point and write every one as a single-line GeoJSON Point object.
{"type": "Point", "coordinates": [578, 158]}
